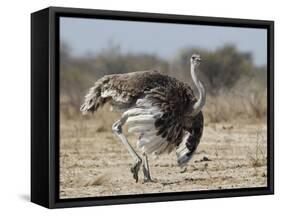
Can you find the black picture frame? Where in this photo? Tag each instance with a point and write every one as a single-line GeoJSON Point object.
{"type": "Point", "coordinates": [45, 106]}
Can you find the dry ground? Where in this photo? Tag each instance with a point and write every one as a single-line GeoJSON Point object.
{"type": "Point", "coordinates": [93, 162]}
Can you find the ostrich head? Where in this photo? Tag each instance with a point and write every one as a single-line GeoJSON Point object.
{"type": "Point", "coordinates": [195, 60]}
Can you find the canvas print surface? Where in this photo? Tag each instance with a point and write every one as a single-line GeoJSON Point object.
{"type": "Point", "coordinates": [150, 107]}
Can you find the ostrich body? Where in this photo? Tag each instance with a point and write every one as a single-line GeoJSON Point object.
{"type": "Point", "coordinates": [162, 110]}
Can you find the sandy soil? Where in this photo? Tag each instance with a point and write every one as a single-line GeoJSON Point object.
{"type": "Point", "coordinates": [93, 162]}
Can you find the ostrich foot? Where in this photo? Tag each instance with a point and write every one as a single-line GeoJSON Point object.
{"type": "Point", "coordinates": [145, 169]}
{"type": "Point", "coordinates": [148, 179]}
{"type": "Point", "coordinates": [146, 175]}
{"type": "Point", "coordinates": [135, 169]}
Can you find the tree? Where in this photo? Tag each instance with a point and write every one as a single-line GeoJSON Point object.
{"type": "Point", "coordinates": [221, 69]}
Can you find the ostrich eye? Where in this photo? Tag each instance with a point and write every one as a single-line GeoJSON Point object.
{"type": "Point", "coordinates": [193, 57]}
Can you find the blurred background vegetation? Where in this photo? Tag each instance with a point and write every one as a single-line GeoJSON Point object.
{"type": "Point", "coordinates": [236, 87]}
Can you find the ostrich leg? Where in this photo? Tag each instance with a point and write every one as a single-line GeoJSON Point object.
{"type": "Point", "coordinates": [117, 128]}
{"type": "Point", "coordinates": [145, 168]}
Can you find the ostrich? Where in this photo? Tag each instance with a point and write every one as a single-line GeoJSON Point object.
{"type": "Point", "coordinates": [162, 110]}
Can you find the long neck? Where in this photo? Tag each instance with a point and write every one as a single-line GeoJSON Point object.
{"type": "Point", "coordinates": [202, 93]}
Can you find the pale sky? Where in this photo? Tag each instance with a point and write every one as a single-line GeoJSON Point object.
{"type": "Point", "coordinates": [164, 39]}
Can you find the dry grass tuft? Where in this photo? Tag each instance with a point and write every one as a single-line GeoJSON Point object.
{"type": "Point", "coordinates": [101, 128]}
{"type": "Point", "coordinates": [97, 180]}
{"type": "Point", "coordinates": [257, 157]}
{"type": "Point", "coordinates": [230, 106]}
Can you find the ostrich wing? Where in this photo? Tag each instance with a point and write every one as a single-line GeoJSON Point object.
{"type": "Point", "coordinates": [174, 126]}
{"type": "Point", "coordinates": [175, 102]}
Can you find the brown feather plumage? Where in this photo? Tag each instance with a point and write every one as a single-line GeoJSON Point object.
{"type": "Point", "coordinates": [173, 97]}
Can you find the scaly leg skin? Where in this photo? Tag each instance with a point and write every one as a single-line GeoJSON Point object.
{"type": "Point", "coordinates": [135, 170]}
{"type": "Point", "coordinates": [117, 128]}
{"type": "Point", "coordinates": [146, 171]}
